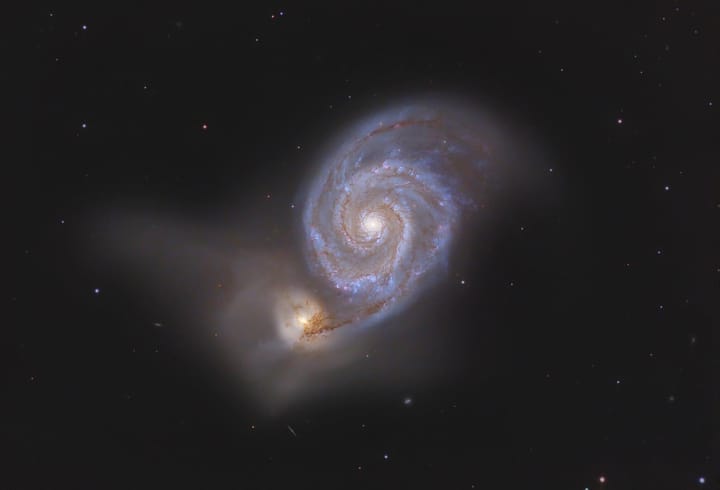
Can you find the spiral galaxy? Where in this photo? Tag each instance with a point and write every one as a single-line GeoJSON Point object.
{"type": "Point", "coordinates": [384, 207]}
{"type": "Point", "coordinates": [382, 213]}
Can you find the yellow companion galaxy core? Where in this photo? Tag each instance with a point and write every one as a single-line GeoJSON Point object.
{"type": "Point", "coordinates": [300, 316]}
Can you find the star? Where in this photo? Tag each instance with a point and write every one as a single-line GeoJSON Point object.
{"type": "Point", "coordinates": [96, 291]}
{"type": "Point", "coordinates": [701, 480]}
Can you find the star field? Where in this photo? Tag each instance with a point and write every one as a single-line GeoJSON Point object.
{"type": "Point", "coordinates": [567, 343]}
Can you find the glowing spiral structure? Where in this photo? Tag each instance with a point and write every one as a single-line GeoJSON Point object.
{"type": "Point", "coordinates": [383, 211]}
